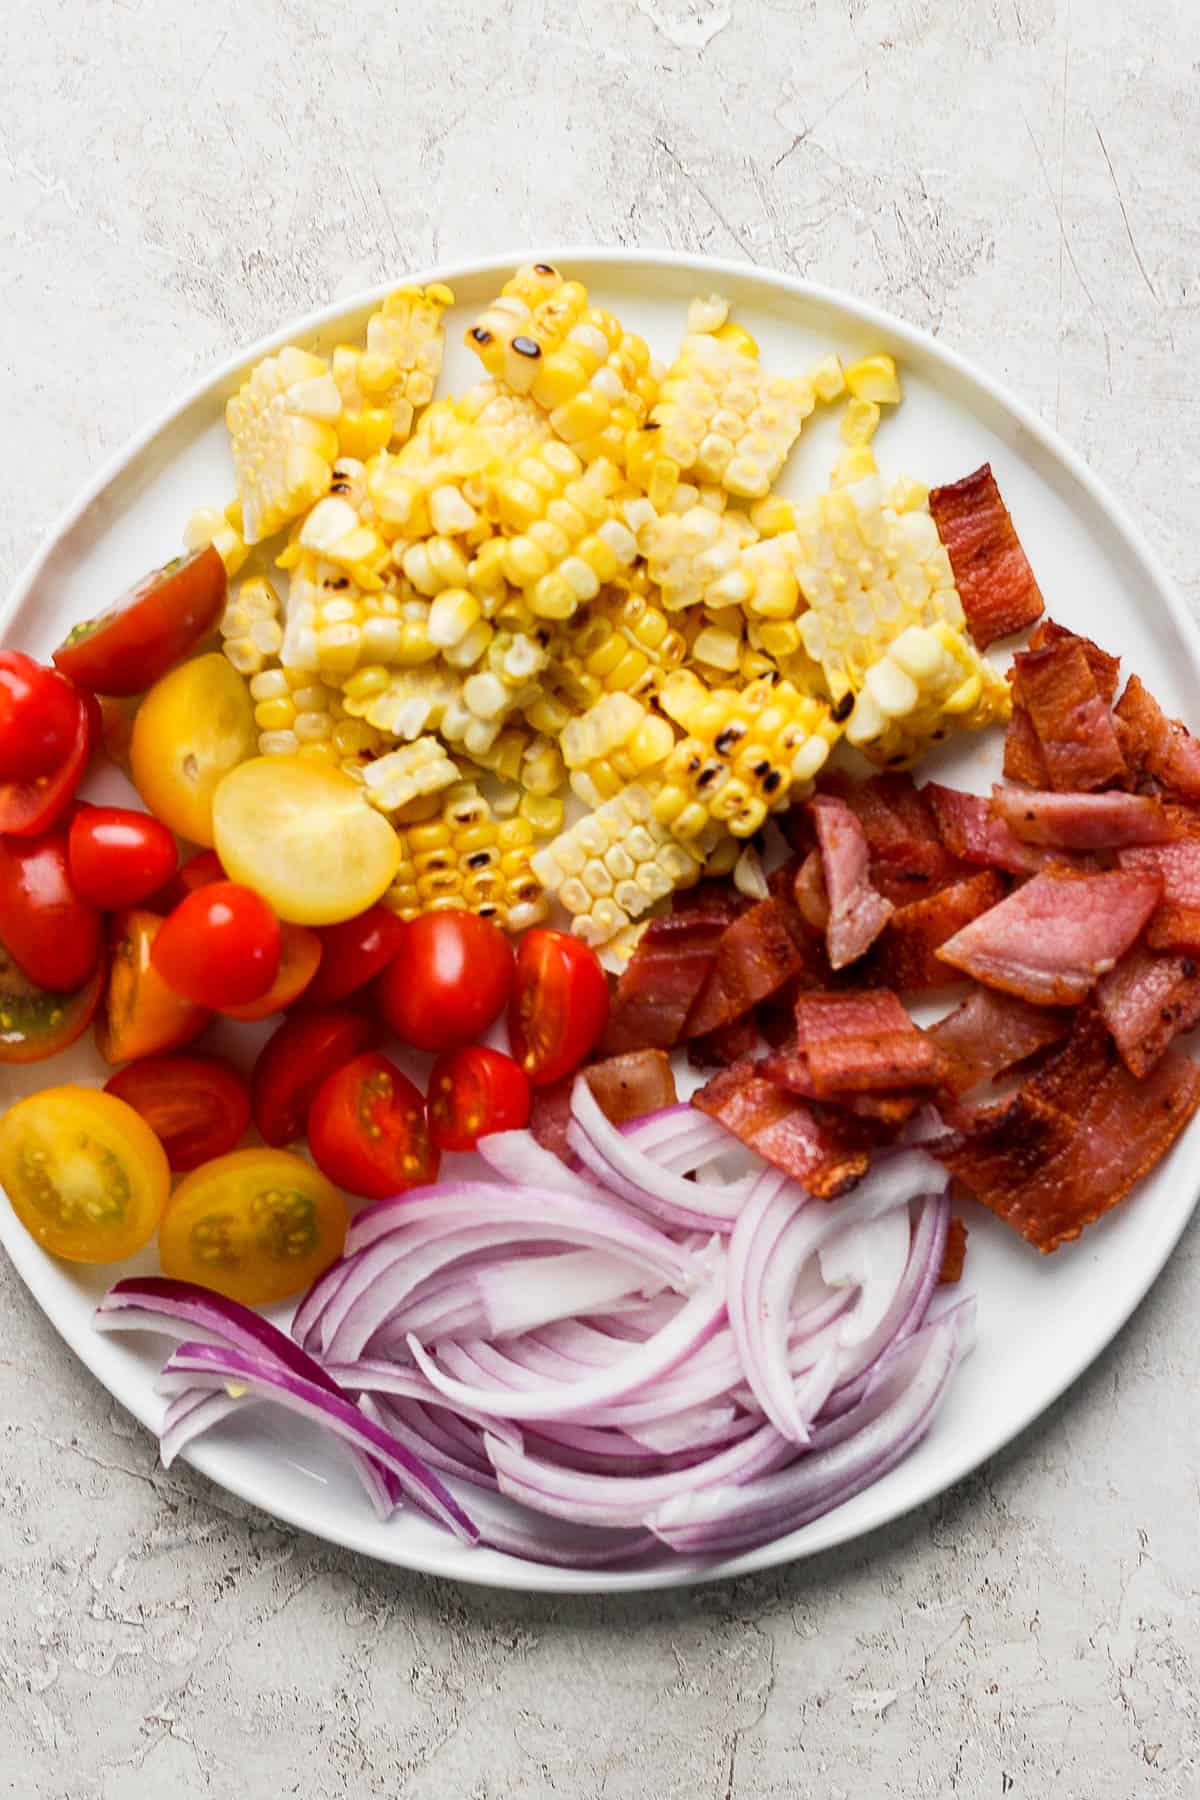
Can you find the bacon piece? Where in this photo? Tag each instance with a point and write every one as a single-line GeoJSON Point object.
{"type": "Point", "coordinates": [991, 571]}
{"type": "Point", "coordinates": [1105, 669]}
{"type": "Point", "coordinates": [720, 1049]}
{"type": "Point", "coordinates": [1057, 687]}
{"type": "Point", "coordinates": [906, 956]}
{"type": "Point", "coordinates": [954, 1256]}
{"type": "Point", "coordinates": [992, 1032]}
{"type": "Point", "coordinates": [756, 955]}
{"type": "Point", "coordinates": [1052, 939]}
{"type": "Point", "coordinates": [854, 1043]}
{"type": "Point", "coordinates": [908, 857]}
{"type": "Point", "coordinates": [1082, 821]}
{"type": "Point", "coordinates": [1176, 924]}
{"type": "Point", "coordinates": [1155, 745]}
{"type": "Point", "coordinates": [857, 912]}
{"type": "Point", "coordinates": [785, 1132]}
{"type": "Point", "coordinates": [776, 1017]}
{"type": "Point", "coordinates": [550, 1114]}
{"type": "Point", "coordinates": [626, 1087]}
{"type": "Point", "coordinates": [1023, 758]}
{"type": "Point", "coordinates": [666, 972]}
{"type": "Point", "coordinates": [1146, 1001]}
{"type": "Point", "coordinates": [974, 834]}
{"type": "Point", "coordinates": [808, 887]}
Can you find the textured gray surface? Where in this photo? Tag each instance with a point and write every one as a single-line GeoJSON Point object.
{"type": "Point", "coordinates": [1021, 177]}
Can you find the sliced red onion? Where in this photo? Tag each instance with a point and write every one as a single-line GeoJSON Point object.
{"type": "Point", "coordinates": [369, 1376]}
{"type": "Point", "coordinates": [519, 1158]}
{"type": "Point", "coordinates": [565, 1549]}
{"type": "Point", "coordinates": [516, 1297]}
{"type": "Point", "coordinates": [411, 1426]}
{"type": "Point", "coordinates": [871, 1257]}
{"type": "Point", "coordinates": [188, 1416]}
{"type": "Point", "coordinates": [698, 1427]}
{"type": "Point", "coordinates": [907, 1312]}
{"type": "Point", "coordinates": [616, 1160]}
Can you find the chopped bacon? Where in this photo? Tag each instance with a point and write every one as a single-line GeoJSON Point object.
{"type": "Point", "coordinates": [907, 856]}
{"type": "Point", "coordinates": [991, 571]}
{"type": "Point", "coordinates": [721, 1048]}
{"type": "Point", "coordinates": [641, 1081]}
{"type": "Point", "coordinates": [1105, 668]}
{"type": "Point", "coordinates": [1176, 924]}
{"type": "Point", "coordinates": [1057, 687]}
{"type": "Point", "coordinates": [550, 1114]}
{"type": "Point", "coordinates": [855, 1043]}
{"type": "Point", "coordinates": [1052, 939]}
{"type": "Point", "coordinates": [906, 955]}
{"type": "Point", "coordinates": [1082, 821]}
{"type": "Point", "coordinates": [776, 1017]}
{"type": "Point", "coordinates": [954, 1256]}
{"type": "Point", "coordinates": [808, 887]}
{"type": "Point", "coordinates": [857, 911]}
{"type": "Point", "coordinates": [1023, 757]}
{"type": "Point", "coordinates": [756, 955]}
{"type": "Point", "coordinates": [666, 972]}
{"type": "Point", "coordinates": [784, 1131]}
{"type": "Point", "coordinates": [973, 833]}
{"type": "Point", "coordinates": [992, 1032]}
{"type": "Point", "coordinates": [1155, 745]}
{"type": "Point", "coordinates": [1146, 1001]}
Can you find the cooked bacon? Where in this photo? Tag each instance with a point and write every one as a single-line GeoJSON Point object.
{"type": "Point", "coordinates": [1105, 669]}
{"type": "Point", "coordinates": [1082, 821]}
{"type": "Point", "coordinates": [907, 856]}
{"type": "Point", "coordinates": [855, 1043]}
{"type": "Point", "coordinates": [784, 1131]}
{"type": "Point", "coordinates": [974, 834]}
{"type": "Point", "coordinates": [1023, 757]}
{"type": "Point", "coordinates": [992, 572]}
{"type": "Point", "coordinates": [1146, 1001]}
{"type": "Point", "coordinates": [808, 887]}
{"type": "Point", "coordinates": [627, 1086]}
{"type": "Point", "coordinates": [776, 1017]}
{"type": "Point", "coordinates": [1052, 939]}
{"type": "Point", "coordinates": [954, 1255]}
{"type": "Point", "coordinates": [1176, 924]}
{"type": "Point", "coordinates": [756, 955]}
{"type": "Point", "coordinates": [857, 911]}
{"type": "Point", "coordinates": [906, 955]}
{"type": "Point", "coordinates": [1155, 745]}
{"type": "Point", "coordinates": [992, 1032]}
{"type": "Point", "coordinates": [725, 1046]}
{"type": "Point", "coordinates": [1057, 687]}
{"type": "Point", "coordinates": [550, 1114]}
{"type": "Point", "coordinates": [666, 972]}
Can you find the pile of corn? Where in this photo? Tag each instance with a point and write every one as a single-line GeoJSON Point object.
{"type": "Point", "coordinates": [577, 578]}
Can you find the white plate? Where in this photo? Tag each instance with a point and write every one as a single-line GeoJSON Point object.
{"type": "Point", "coordinates": [1042, 1320]}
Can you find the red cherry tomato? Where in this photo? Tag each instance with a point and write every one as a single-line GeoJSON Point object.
{"type": "Point", "coordinates": [448, 981]}
{"type": "Point", "coordinates": [220, 946]}
{"type": "Point", "coordinates": [299, 962]}
{"type": "Point", "coordinates": [30, 806]}
{"type": "Point", "coordinates": [353, 953]}
{"type": "Point", "coordinates": [367, 1131]}
{"type": "Point", "coordinates": [293, 1063]}
{"type": "Point", "coordinates": [559, 1005]}
{"type": "Point", "coordinates": [197, 872]}
{"type": "Point", "coordinates": [197, 1106]}
{"type": "Point", "coordinates": [473, 1092]}
{"type": "Point", "coordinates": [39, 714]}
{"type": "Point", "coordinates": [35, 1024]}
{"type": "Point", "coordinates": [118, 856]}
{"type": "Point", "coordinates": [150, 628]}
{"type": "Point", "coordinates": [52, 935]}
{"type": "Point", "coordinates": [142, 1015]}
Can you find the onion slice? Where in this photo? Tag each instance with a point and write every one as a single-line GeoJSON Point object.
{"type": "Point", "coordinates": [630, 1171]}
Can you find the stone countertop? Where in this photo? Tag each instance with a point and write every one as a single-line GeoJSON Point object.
{"type": "Point", "coordinates": [1020, 177]}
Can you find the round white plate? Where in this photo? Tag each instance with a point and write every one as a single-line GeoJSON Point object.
{"type": "Point", "coordinates": [1041, 1319]}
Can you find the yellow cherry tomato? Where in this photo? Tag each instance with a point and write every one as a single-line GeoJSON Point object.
{"type": "Point", "coordinates": [256, 1226]}
{"type": "Point", "coordinates": [86, 1175]}
{"type": "Point", "coordinates": [194, 725]}
{"type": "Point", "coordinates": [302, 835]}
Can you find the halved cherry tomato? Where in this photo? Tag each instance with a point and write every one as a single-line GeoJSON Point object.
{"type": "Point", "coordinates": [118, 856]}
{"type": "Point", "coordinates": [87, 1177]}
{"type": "Point", "coordinates": [448, 980]}
{"type": "Point", "coordinates": [30, 806]}
{"type": "Point", "coordinates": [296, 1060]}
{"type": "Point", "coordinates": [150, 628]}
{"type": "Point", "coordinates": [367, 1131]}
{"type": "Point", "coordinates": [353, 953]}
{"type": "Point", "coordinates": [220, 947]}
{"type": "Point", "coordinates": [255, 1226]}
{"type": "Point", "coordinates": [196, 1106]}
{"type": "Point", "coordinates": [194, 725]}
{"type": "Point", "coordinates": [473, 1092]}
{"type": "Point", "coordinates": [141, 1014]}
{"type": "Point", "coordinates": [35, 1024]}
{"type": "Point", "coordinates": [299, 964]}
{"type": "Point", "coordinates": [39, 716]}
{"type": "Point", "coordinates": [51, 933]}
{"type": "Point", "coordinates": [196, 872]}
{"type": "Point", "coordinates": [559, 1005]}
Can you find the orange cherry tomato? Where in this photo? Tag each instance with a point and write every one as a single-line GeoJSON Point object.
{"type": "Point", "coordinates": [118, 856]}
{"type": "Point", "coordinates": [448, 980]}
{"type": "Point", "coordinates": [197, 1106]}
{"type": "Point", "coordinates": [354, 952]}
{"type": "Point", "coordinates": [294, 1062]}
{"type": "Point", "coordinates": [256, 1226]}
{"type": "Point", "coordinates": [299, 964]}
{"type": "Point", "coordinates": [473, 1092]}
{"type": "Point", "coordinates": [367, 1131]}
{"type": "Point", "coordinates": [149, 629]}
{"type": "Point", "coordinates": [559, 1005]}
{"type": "Point", "coordinates": [141, 1014]}
{"type": "Point", "coordinates": [35, 1024]}
{"type": "Point", "coordinates": [51, 933]}
{"type": "Point", "coordinates": [220, 946]}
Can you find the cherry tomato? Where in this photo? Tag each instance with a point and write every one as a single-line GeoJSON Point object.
{"type": "Point", "coordinates": [473, 1092]}
{"type": "Point", "coordinates": [367, 1131]}
{"type": "Point", "coordinates": [196, 1106]}
{"type": "Point", "coordinates": [30, 806]}
{"type": "Point", "coordinates": [296, 1060]}
{"type": "Point", "coordinates": [118, 856]}
{"type": "Point", "coordinates": [448, 980]}
{"type": "Point", "coordinates": [194, 725]}
{"type": "Point", "coordinates": [220, 947]}
{"type": "Point", "coordinates": [196, 872]}
{"type": "Point", "coordinates": [39, 716]}
{"type": "Point", "coordinates": [559, 1005]}
{"type": "Point", "coordinates": [35, 1024]}
{"type": "Point", "coordinates": [142, 1015]}
{"type": "Point", "coordinates": [299, 963]}
{"type": "Point", "coordinates": [52, 935]}
{"type": "Point", "coordinates": [87, 1177]}
{"type": "Point", "coordinates": [353, 953]}
{"type": "Point", "coordinates": [150, 628]}
{"type": "Point", "coordinates": [255, 1226]}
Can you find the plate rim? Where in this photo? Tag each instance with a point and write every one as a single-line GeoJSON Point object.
{"type": "Point", "coordinates": [27, 1260]}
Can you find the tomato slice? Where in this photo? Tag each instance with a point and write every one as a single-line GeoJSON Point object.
{"type": "Point", "coordinates": [353, 953]}
{"type": "Point", "coordinates": [220, 947]}
{"type": "Point", "coordinates": [117, 856]}
{"type": "Point", "coordinates": [367, 1131]}
{"type": "Point", "coordinates": [473, 1092]}
{"type": "Point", "coordinates": [299, 964]}
{"type": "Point", "coordinates": [51, 933]}
{"type": "Point", "coordinates": [39, 714]}
{"type": "Point", "coordinates": [142, 1015]}
{"type": "Point", "coordinates": [196, 1106]}
{"type": "Point", "coordinates": [30, 806]}
{"type": "Point", "coordinates": [559, 1005]}
{"type": "Point", "coordinates": [196, 872]}
{"type": "Point", "coordinates": [35, 1024]}
{"type": "Point", "coordinates": [151, 628]}
{"type": "Point", "coordinates": [296, 1060]}
{"type": "Point", "coordinates": [87, 1177]}
{"type": "Point", "coordinates": [255, 1226]}
{"type": "Point", "coordinates": [447, 982]}
{"type": "Point", "coordinates": [194, 725]}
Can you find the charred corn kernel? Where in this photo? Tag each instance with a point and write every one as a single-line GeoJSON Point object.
{"type": "Point", "coordinates": [251, 633]}
{"type": "Point", "coordinates": [403, 775]}
{"type": "Point", "coordinates": [409, 702]}
{"type": "Point", "coordinates": [597, 386]}
{"type": "Point", "coordinates": [283, 439]}
{"type": "Point", "coordinates": [584, 866]}
{"type": "Point", "coordinates": [531, 317]}
{"type": "Point", "coordinates": [860, 422]}
{"type": "Point", "coordinates": [874, 379]}
{"type": "Point", "coordinates": [405, 343]}
{"type": "Point", "coordinates": [828, 379]}
{"type": "Point", "coordinates": [724, 857]}
{"type": "Point", "coordinates": [569, 538]}
{"type": "Point", "coordinates": [213, 526]}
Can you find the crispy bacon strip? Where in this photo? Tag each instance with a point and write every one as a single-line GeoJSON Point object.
{"type": "Point", "coordinates": [1155, 745]}
{"type": "Point", "coordinates": [720, 1049]}
{"type": "Point", "coordinates": [992, 572]}
{"type": "Point", "coordinates": [992, 1032]}
{"type": "Point", "coordinates": [1057, 687]}
{"type": "Point", "coordinates": [756, 955]}
{"type": "Point", "coordinates": [906, 955]}
{"type": "Point", "coordinates": [666, 972]}
{"type": "Point", "coordinates": [1082, 821]}
{"type": "Point", "coordinates": [641, 1081]}
{"type": "Point", "coordinates": [857, 911]}
{"type": "Point", "coordinates": [1023, 756]}
{"type": "Point", "coordinates": [855, 1043]}
{"type": "Point", "coordinates": [908, 858]}
{"type": "Point", "coordinates": [974, 833]}
{"type": "Point", "coordinates": [1105, 669]}
{"type": "Point", "coordinates": [1146, 1001]}
{"type": "Point", "coordinates": [784, 1131]}
{"type": "Point", "coordinates": [1176, 924]}
{"type": "Point", "coordinates": [955, 1254]}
